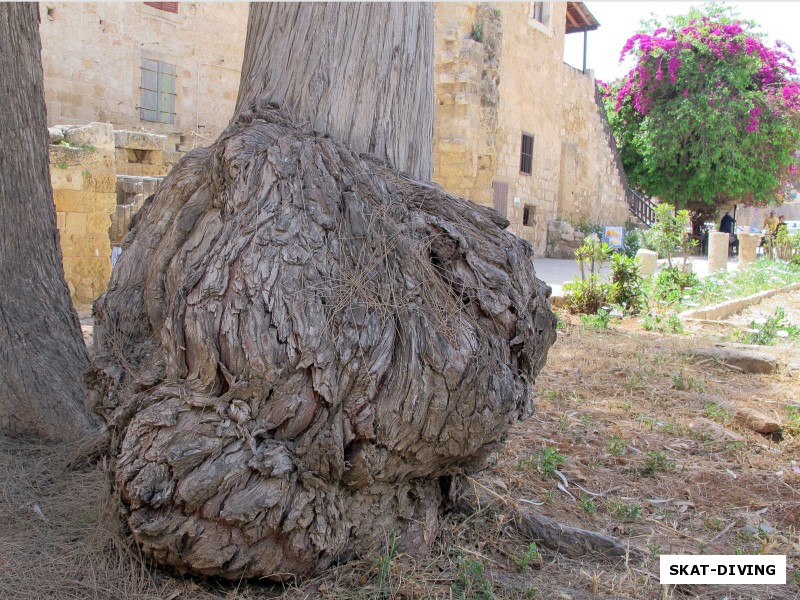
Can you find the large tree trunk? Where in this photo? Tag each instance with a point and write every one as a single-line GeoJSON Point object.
{"type": "Point", "coordinates": [300, 346]}
{"type": "Point", "coordinates": [361, 72]}
{"type": "Point", "coordinates": [42, 354]}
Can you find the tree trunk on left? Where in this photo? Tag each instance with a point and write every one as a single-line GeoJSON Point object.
{"type": "Point", "coordinates": [41, 349]}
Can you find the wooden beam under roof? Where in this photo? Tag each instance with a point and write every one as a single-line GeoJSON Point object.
{"type": "Point", "coordinates": [579, 18]}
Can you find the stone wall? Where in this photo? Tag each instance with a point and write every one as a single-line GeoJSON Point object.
{"type": "Point", "coordinates": [513, 81]}
{"type": "Point", "coordinates": [84, 193]}
{"type": "Point", "coordinates": [92, 57]}
{"type": "Point", "coordinates": [100, 178]}
{"type": "Point", "coordinates": [562, 239]}
{"type": "Point", "coordinates": [591, 188]}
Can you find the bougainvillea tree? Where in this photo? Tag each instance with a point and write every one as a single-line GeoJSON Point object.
{"type": "Point", "coordinates": [709, 114]}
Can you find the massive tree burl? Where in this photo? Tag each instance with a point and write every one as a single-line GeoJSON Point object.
{"type": "Point", "coordinates": [300, 346]}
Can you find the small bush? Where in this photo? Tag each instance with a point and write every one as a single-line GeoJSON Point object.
{"type": "Point", "coordinates": [588, 294]}
{"type": "Point", "coordinates": [657, 461]}
{"type": "Point", "coordinates": [623, 511]}
{"type": "Point", "coordinates": [531, 554]}
{"type": "Point", "coordinates": [546, 461]}
{"type": "Point", "coordinates": [791, 424]}
{"type": "Point", "coordinates": [471, 582]}
{"type": "Point", "coordinates": [627, 283]}
{"type": "Point", "coordinates": [662, 323]}
{"type": "Point", "coordinates": [670, 282]}
{"type": "Point", "coordinates": [599, 321]}
{"type": "Point", "coordinates": [477, 32]}
{"type": "Point", "coordinates": [766, 332]}
{"type": "Point", "coordinates": [632, 240]}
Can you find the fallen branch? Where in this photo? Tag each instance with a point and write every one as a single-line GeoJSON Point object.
{"type": "Point", "coordinates": [470, 495]}
{"type": "Point", "coordinates": [572, 541]}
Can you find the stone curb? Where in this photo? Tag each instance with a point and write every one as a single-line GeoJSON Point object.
{"type": "Point", "coordinates": [725, 309]}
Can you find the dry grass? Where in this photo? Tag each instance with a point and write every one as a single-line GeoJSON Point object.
{"type": "Point", "coordinates": [617, 405]}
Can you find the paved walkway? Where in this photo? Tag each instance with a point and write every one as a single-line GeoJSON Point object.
{"type": "Point", "coordinates": [557, 271]}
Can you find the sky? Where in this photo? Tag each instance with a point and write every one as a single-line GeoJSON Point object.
{"type": "Point", "coordinates": [620, 20]}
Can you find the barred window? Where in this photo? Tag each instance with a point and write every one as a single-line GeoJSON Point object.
{"type": "Point", "coordinates": [526, 155]}
{"type": "Point", "coordinates": [158, 92]}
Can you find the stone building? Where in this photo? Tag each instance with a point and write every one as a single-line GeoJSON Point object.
{"type": "Point", "coordinates": [170, 68]}
{"type": "Point", "coordinates": [516, 128]}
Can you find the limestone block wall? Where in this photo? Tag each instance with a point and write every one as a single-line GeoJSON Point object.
{"type": "Point", "coordinates": [92, 56]}
{"type": "Point", "coordinates": [590, 186]}
{"type": "Point", "coordinates": [457, 127]}
{"type": "Point", "coordinates": [84, 193]}
{"type": "Point", "coordinates": [530, 102]}
{"type": "Point", "coordinates": [489, 91]}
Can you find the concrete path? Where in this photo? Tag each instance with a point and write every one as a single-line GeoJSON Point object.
{"type": "Point", "coordinates": [557, 271]}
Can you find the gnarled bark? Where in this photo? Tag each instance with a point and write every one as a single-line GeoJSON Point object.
{"type": "Point", "coordinates": [42, 355]}
{"type": "Point", "coordinates": [299, 346]}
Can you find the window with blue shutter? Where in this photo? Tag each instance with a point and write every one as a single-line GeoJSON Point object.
{"type": "Point", "coordinates": [158, 91]}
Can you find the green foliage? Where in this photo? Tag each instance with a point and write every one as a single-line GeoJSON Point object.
{"type": "Point", "coordinates": [765, 332]}
{"type": "Point", "coordinates": [627, 288]}
{"type": "Point", "coordinates": [85, 172]}
{"type": "Point", "coordinates": [545, 462]}
{"type": "Point", "coordinates": [786, 246]}
{"type": "Point", "coordinates": [662, 323]}
{"type": "Point", "coordinates": [756, 277]}
{"type": "Point", "coordinates": [89, 148]}
{"type": "Point", "coordinates": [631, 240]}
{"type": "Point", "coordinates": [708, 113]}
{"type": "Point", "coordinates": [670, 233]}
{"type": "Point", "coordinates": [588, 294]}
{"type": "Point", "coordinates": [623, 511]}
{"type": "Point", "coordinates": [531, 554]}
{"type": "Point", "coordinates": [384, 565]}
{"type": "Point", "coordinates": [477, 32]}
{"type": "Point", "coordinates": [683, 383]}
{"type": "Point", "coordinates": [617, 446]}
{"type": "Point", "coordinates": [601, 320]}
{"type": "Point", "coordinates": [791, 423]}
{"type": "Point", "coordinates": [657, 462]}
{"type": "Point", "coordinates": [716, 412]}
{"type": "Point", "coordinates": [669, 284]}
{"type": "Point", "coordinates": [588, 228]}
{"type": "Point", "coordinates": [62, 165]}
{"type": "Point", "coordinates": [471, 582]}
{"type": "Point", "coordinates": [587, 504]}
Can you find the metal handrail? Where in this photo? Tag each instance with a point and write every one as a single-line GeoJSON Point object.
{"type": "Point", "coordinates": [642, 207]}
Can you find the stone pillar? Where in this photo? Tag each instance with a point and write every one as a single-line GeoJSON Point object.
{"type": "Point", "coordinates": [717, 251]}
{"type": "Point", "coordinates": [648, 262]}
{"type": "Point", "coordinates": [748, 247]}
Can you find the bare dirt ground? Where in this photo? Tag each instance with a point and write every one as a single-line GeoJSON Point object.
{"type": "Point", "coordinates": [615, 446]}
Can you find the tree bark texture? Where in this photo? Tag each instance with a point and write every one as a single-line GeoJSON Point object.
{"type": "Point", "coordinates": [299, 346]}
{"type": "Point", "coordinates": [42, 355]}
{"type": "Point", "coordinates": [361, 72]}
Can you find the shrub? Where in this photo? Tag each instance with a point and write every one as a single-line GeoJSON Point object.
{"type": "Point", "coordinates": [632, 240]}
{"type": "Point", "coordinates": [765, 332]}
{"type": "Point", "coordinates": [670, 282]}
{"type": "Point", "coordinates": [669, 233]}
{"type": "Point", "coordinates": [588, 294]}
{"type": "Point", "coordinates": [627, 290]}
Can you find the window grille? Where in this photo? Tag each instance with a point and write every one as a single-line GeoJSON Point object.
{"type": "Point", "coordinates": [526, 155]}
{"type": "Point", "coordinates": [157, 92]}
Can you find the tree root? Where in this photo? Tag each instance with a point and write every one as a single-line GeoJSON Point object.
{"type": "Point", "coordinates": [470, 496]}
